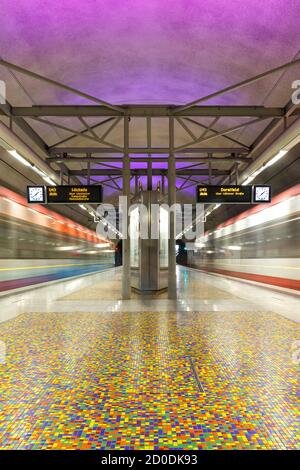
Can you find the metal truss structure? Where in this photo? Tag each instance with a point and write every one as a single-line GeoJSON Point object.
{"type": "Point", "coordinates": [117, 161]}
{"type": "Point", "coordinates": [201, 149]}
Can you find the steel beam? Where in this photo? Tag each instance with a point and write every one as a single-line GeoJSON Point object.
{"type": "Point", "coordinates": [186, 128]}
{"type": "Point", "coordinates": [89, 129]}
{"type": "Point", "coordinates": [220, 134]}
{"type": "Point", "coordinates": [146, 150]}
{"type": "Point", "coordinates": [237, 86]}
{"type": "Point", "coordinates": [227, 137]}
{"type": "Point", "coordinates": [186, 159]}
{"type": "Point", "coordinates": [37, 76]}
{"type": "Point", "coordinates": [145, 172]}
{"type": "Point", "coordinates": [83, 132]}
{"type": "Point", "coordinates": [145, 110]}
{"type": "Point", "coordinates": [78, 133]}
{"type": "Point", "coordinates": [274, 125]}
{"type": "Point", "coordinates": [6, 110]}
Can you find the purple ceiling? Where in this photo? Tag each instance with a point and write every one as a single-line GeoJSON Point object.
{"type": "Point", "coordinates": [170, 51]}
{"type": "Point", "coordinates": [150, 51]}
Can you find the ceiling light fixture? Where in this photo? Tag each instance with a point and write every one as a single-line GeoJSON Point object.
{"type": "Point", "coordinates": [19, 157]}
{"type": "Point", "coordinates": [271, 162]}
{"type": "Point", "coordinates": [275, 159]}
{"type": "Point", "coordinates": [49, 180]}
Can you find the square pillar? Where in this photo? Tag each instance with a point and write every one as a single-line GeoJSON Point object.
{"type": "Point", "coordinates": [126, 289]}
{"type": "Point", "coordinates": [171, 201]}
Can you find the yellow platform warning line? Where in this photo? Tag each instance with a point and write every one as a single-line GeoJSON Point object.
{"type": "Point", "coordinates": [47, 266]}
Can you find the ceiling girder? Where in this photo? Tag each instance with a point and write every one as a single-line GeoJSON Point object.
{"type": "Point", "coordinates": [144, 150]}
{"type": "Point", "coordinates": [42, 78]}
{"type": "Point", "coordinates": [99, 160]}
{"type": "Point", "coordinates": [62, 155]}
{"type": "Point", "coordinates": [83, 132]}
{"type": "Point", "coordinates": [144, 110]}
{"type": "Point", "coordinates": [143, 172]}
{"type": "Point", "coordinates": [238, 86]}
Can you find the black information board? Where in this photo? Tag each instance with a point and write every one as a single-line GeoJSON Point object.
{"type": "Point", "coordinates": [74, 194]}
{"type": "Point", "coordinates": [226, 194]}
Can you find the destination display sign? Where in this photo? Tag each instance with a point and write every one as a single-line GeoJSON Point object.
{"type": "Point", "coordinates": [74, 194]}
{"type": "Point", "coordinates": [225, 194]}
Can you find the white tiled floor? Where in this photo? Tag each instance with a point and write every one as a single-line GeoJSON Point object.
{"type": "Point", "coordinates": [249, 297]}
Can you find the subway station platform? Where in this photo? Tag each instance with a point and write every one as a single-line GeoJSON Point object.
{"type": "Point", "coordinates": [149, 230]}
{"type": "Point", "coordinates": [216, 369]}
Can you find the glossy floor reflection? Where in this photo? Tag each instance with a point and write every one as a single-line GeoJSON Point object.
{"type": "Point", "coordinates": [188, 287]}
{"type": "Point", "coordinates": [231, 295]}
{"type": "Point", "coordinates": [124, 381]}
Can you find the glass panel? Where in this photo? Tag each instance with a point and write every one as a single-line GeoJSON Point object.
{"type": "Point", "coordinates": [163, 237]}
{"type": "Point", "coordinates": [134, 237]}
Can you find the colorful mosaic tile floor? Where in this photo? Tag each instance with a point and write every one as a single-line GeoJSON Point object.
{"type": "Point", "coordinates": [124, 381]}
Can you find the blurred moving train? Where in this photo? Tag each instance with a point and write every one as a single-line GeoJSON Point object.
{"type": "Point", "coordinates": [261, 244]}
{"type": "Point", "coordinates": [39, 245]}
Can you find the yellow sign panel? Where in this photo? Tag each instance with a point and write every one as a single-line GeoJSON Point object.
{"type": "Point", "coordinates": [224, 194]}
{"type": "Point", "coordinates": [74, 194]}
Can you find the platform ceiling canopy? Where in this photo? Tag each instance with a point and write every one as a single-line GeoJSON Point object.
{"type": "Point", "coordinates": [149, 52]}
{"type": "Point", "coordinates": [139, 51]}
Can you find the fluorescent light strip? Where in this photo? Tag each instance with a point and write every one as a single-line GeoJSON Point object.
{"type": "Point", "coordinates": [275, 159]}
{"type": "Point", "coordinates": [19, 157]}
{"type": "Point", "coordinates": [25, 162]}
{"type": "Point", "coordinates": [38, 171]}
{"type": "Point", "coordinates": [271, 162]}
{"type": "Point", "coordinates": [212, 209]}
{"type": "Point", "coordinates": [49, 180]}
